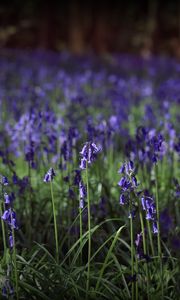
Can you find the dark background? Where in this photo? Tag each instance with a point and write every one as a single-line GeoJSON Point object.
{"type": "Point", "coordinates": [139, 26]}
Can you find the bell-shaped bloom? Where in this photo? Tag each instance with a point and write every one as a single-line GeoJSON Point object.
{"type": "Point", "coordinates": [49, 175]}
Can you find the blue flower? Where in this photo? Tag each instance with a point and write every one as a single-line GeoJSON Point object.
{"type": "Point", "coordinates": [3, 180]}
{"type": "Point", "coordinates": [89, 153]}
{"type": "Point", "coordinates": [7, 198]}
{"type": "Point", "coordinates": [9, 216]}
{"type": "Point", "coordinates": [49, 175]}
{"type": "Point", "coordinates": [83, 163]}
{"type": "Point", "coordinates": [81, 203]}
{"type": "Point", "coordinates": [82, 190]}
{"type": "Point", "coordinates": [124, 183]}
{"type": "Point", "coordinates": [155, 229]}
{"type": "Point", "coordinates": [11, 241]}
{"type": "Point", "coordinates": [122, 199]}
{"type": "Point", "coordinates": [148, 205]}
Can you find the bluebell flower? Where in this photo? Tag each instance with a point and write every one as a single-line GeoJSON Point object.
{"type": "Point", "coordinates": [155, 229]}
{"type": "Point", "coordinates": [3, 180]}
{"type": "Point", "coordinates": [148, 205]}
{"type": "Point", "coordinates": [49, 175]}
{"type": "Point", "coordinates": [83, 164]}
{"type": "Point", "coordinates": [82, 190]}
{"type": "Point", "coordinates": [9, 216]}
{"type": "Point", "coordinates": [138, 239]}
{"type": "Point", "coordinates": [128, 184]}
{"type": "Point", "coordinates": [127, 168]}
{"type": "Point", "coordinates": [81, 203]}
{"type": "Point", "coordinates": [89, 153]}
{"type": "Point", "coordinates": [7, 198]}
{"type": "Point", "coordinates": [124, 183]}
{"type": "Point", "coordinates": [122, 199]}
{"type": "Point", "coordinates": [134, 181]}
{"type": "Point", "coordinates": [11, 241]}
{"type": "Point", "coordinates": [15, 178]}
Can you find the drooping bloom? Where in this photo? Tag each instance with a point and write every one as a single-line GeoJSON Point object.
{"type": "Point", "coordinates": [11, 240]}
{"type": "Point", "coordinates": [82, 194]}
{"type": "Point", "coordinates": [9, 216]}
{"type": "Point", "coordinates": [89, 153]}
{"type": "Point", "coordinates": [3, 180]}
{"type": "Point", "coordinates": [128, 183]}
{"type": "Point", "coordinates": [149, 206]}
{"type": "Point", "coordinates": [49, 175]}
{"type": "Point", "coordinates": [7, 198]}
{"type": "Point", "coordinates": [155, 228]}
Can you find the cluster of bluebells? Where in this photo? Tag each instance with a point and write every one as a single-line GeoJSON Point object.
{"type": "Point", "coordinates": [149, 206]}
{"type": "Point", "coordinates": [9, 215]}
{"type": "Point", "coordinates": [148, 146]}
{"type": "Point", "coordinates": [89, 153]}
{"type": "Point", "coordinates": [128, 183]}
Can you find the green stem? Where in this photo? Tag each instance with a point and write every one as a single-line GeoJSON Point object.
{"type": "Point", "coordinates": [80, 232]}
{"type": "Point", "coordinates": [158, 234]}
{"type": "Point", "coordinates": [89, 232]}
{"type": "Point", "coordinates": [55, 223]}
{"type": "Point", "coordinates": [137, 291]}
{"type": "Point", "coordinates": [30, 206]}
{"type": "Point", "coordinates": [15, 264]}
{"type": "Point", "coordinates": [145, 251]}
{"type": "Point", "coordinates": [132, 256]}
{"type": "Point", "coordinates": [150, 238]}
{"type": "Point", "coordinates": [3, 231]}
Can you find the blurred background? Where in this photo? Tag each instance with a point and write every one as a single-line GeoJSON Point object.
{"type": "Point", "coordinates": [101, 27]}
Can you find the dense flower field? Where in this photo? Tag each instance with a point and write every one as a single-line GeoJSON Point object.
{"type": "Point", "coordinates": [89, 154]}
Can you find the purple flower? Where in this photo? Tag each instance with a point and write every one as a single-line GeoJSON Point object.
{"type": "Point", "coordinates": [134, 181]}
{"type": "Point", "coordinates": [11, 241]}
{"type": "Point", "coordinates": [82, 190]}
{"type": "Point", "coordinates": [148, 205]}
{"type": "Point", "coordinates": [138, 239]}
{"type": "Point", "coordinates": [127, 168]}
{"type": "Point", "coordinates": [155, 229]}
{"type": "Point", "coordinates": [122, 199]}
{"type": "Point", "coordinates": [81, 203]}
{"type": "Point", "coordinates": [49, 175]}
{"type": "Point", "coordinates": [3, 180]}
{"type": "Point", "coordinates": [132, 213]}
{"type": "Point", "coordinates": [15, 178]}
{"type": "Point", "coordinates": [124, 183]}
{"type": "Point", "coordinates": [83, 163]}
{"type": "Point", "coordinates": [9, 216]}
{"type": "Point", "coordinates": [89, 153]}
{"type": "Point", "coordinates": [7, 198]}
